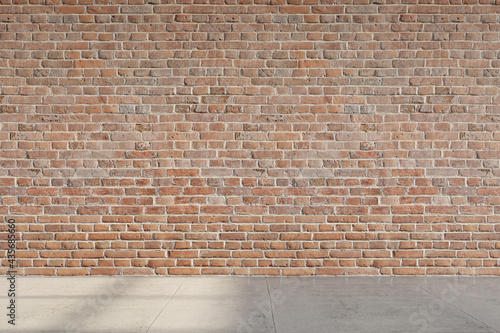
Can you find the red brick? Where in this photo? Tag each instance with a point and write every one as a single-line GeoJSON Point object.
{"type": "Point", "coordinates": [88, 254]}
{"type": "Point", "coordinates": [184, 271]}
{"type": "Point", "coordinates": [72, 271]}
{"type": "Point", "coordinates": [105, 271]}
{"type": "Point", "coordinates": [408, 271]}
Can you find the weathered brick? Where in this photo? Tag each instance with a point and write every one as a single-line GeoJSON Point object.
{"type": "Point", "coordinates": [289, 138]}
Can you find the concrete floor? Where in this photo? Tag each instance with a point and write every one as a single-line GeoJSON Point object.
{"type": "Point", "coordinates": [254, 304]}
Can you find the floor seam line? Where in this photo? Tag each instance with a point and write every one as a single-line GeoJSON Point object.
{"type": "Point", "coordinates": [459, 309]}
{"type": "Point", "coordinates": [271, 305]}
{"type": "Point", "coordinates": [163, 309]}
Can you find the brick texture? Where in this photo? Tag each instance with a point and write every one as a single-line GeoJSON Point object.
{"type": "Point", "coordinates": [250, 137]}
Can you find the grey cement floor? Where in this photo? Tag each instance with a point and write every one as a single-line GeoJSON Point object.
{"type": "Point", "coordinates": [254, 304]}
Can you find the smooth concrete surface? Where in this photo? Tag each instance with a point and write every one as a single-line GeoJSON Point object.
{"type": "Point", "coordinates": [253, 304]}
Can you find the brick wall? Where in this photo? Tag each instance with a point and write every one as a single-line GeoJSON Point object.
{"type": "Point", "coordinates": [251, 137]}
